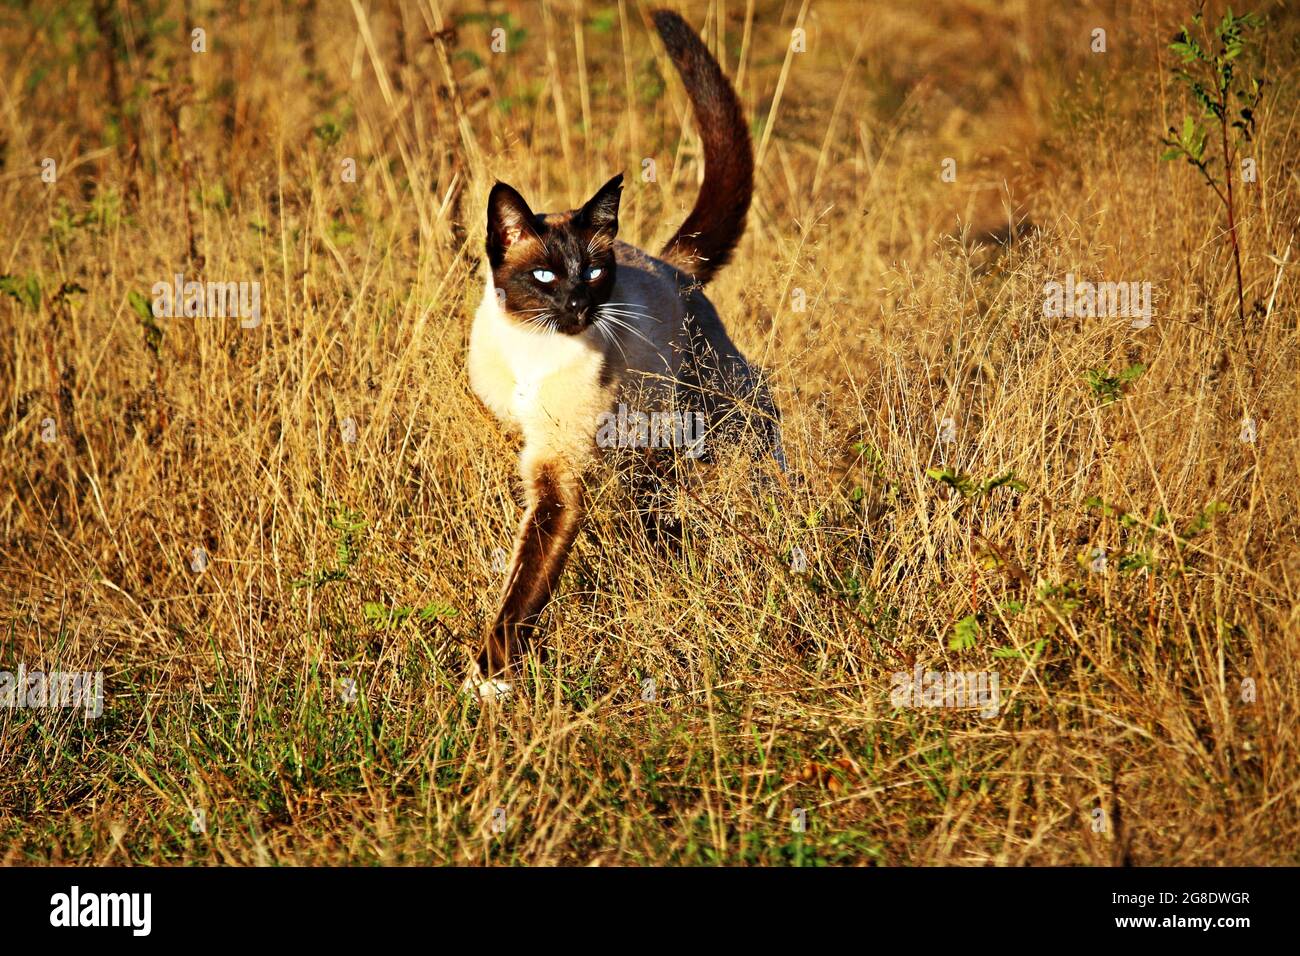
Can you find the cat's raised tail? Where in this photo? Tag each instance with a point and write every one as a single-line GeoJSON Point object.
{"type": "Point", "coordinates": [707, 238]}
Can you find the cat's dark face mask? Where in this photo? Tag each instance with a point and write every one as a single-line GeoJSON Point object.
{"type": "Point", "coordinates": [553, 271]}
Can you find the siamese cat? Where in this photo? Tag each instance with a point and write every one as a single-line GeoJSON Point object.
{"type": "Point", "coordinates": [576, 327]}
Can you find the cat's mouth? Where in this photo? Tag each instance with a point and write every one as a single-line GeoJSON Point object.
{"type": "Point", "coordinates": [556, 322]}
{"type": "Point", "coordinates": [575, 323]}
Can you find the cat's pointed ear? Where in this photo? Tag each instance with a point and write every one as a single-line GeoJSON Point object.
{"type": "Point", "coordinates": [509, 220]}
{"type": "Point", "coordinates": [601, 210]}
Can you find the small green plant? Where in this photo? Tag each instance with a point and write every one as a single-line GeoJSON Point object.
{"type": "Point", "coordinates": [1110, 388]}
{"type": "Point", "coordinates": [24, 289]}
{"type": "Point", "coordinates": [1035, 651]}
{"type": "Point", "coordinates": [965, 633]}
{"type": "Point", "coordinates": [382, 617]}
{"type": "Point", "coordinates": [972, 489]}
{"type": "Point", "coordinates": [349, 525]}
{"type": "Point", "coordinates": [975, 495]}
{"type": "Point", "coordinates": [328, 131]}
{"type": "Point", "coordinates": [1139, 535]}
{"type": "Point", "coordinates": [604, 21]}
{"type": "Point", "coordinates": [153, 334]}
{"type": "Point", "coordinates": [874, 463]}
{"type": "Point", "coordinates": [1209, 57]}
{"type": "Point", "coordinates": [1203, 521]}
{"type": "Point", "coordinates": [1063, 598]}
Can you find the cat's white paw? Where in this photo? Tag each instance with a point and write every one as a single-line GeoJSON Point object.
{"type": "Point", "coordinates": [488, 690]}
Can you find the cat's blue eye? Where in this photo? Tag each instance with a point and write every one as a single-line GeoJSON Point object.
{"type": "Point", "coordinates": [543, 275]}
{"type": "Point", "coordinates": [592, 273]}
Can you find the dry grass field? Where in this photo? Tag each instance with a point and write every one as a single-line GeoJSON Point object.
{"type": "Point", "coordinates": [277, 539]}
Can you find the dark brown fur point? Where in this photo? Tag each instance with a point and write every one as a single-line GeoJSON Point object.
{"type": "Point", "coordinates": [545, 536]}
{"type": "Point", "coordinates": [568, 244]}
{"type": "Point", "coordinates": [706, 239]}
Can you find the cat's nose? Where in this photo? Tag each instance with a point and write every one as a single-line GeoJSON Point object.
{"type": "Point", "coordinates": [577, 303]}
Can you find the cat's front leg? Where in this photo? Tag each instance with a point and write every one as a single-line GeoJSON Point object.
{"type": "Point", "coordinates": [552, 517]}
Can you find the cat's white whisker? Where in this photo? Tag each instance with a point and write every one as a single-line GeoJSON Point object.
{"type": "Point", "coordinates": [632, 319]}
{"type": "Point", "coordinates": [620, 323]}
{"type": "Point", "coordinates": [543, 321]}
{"type": "Point", "coordinates": [609, 336]}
